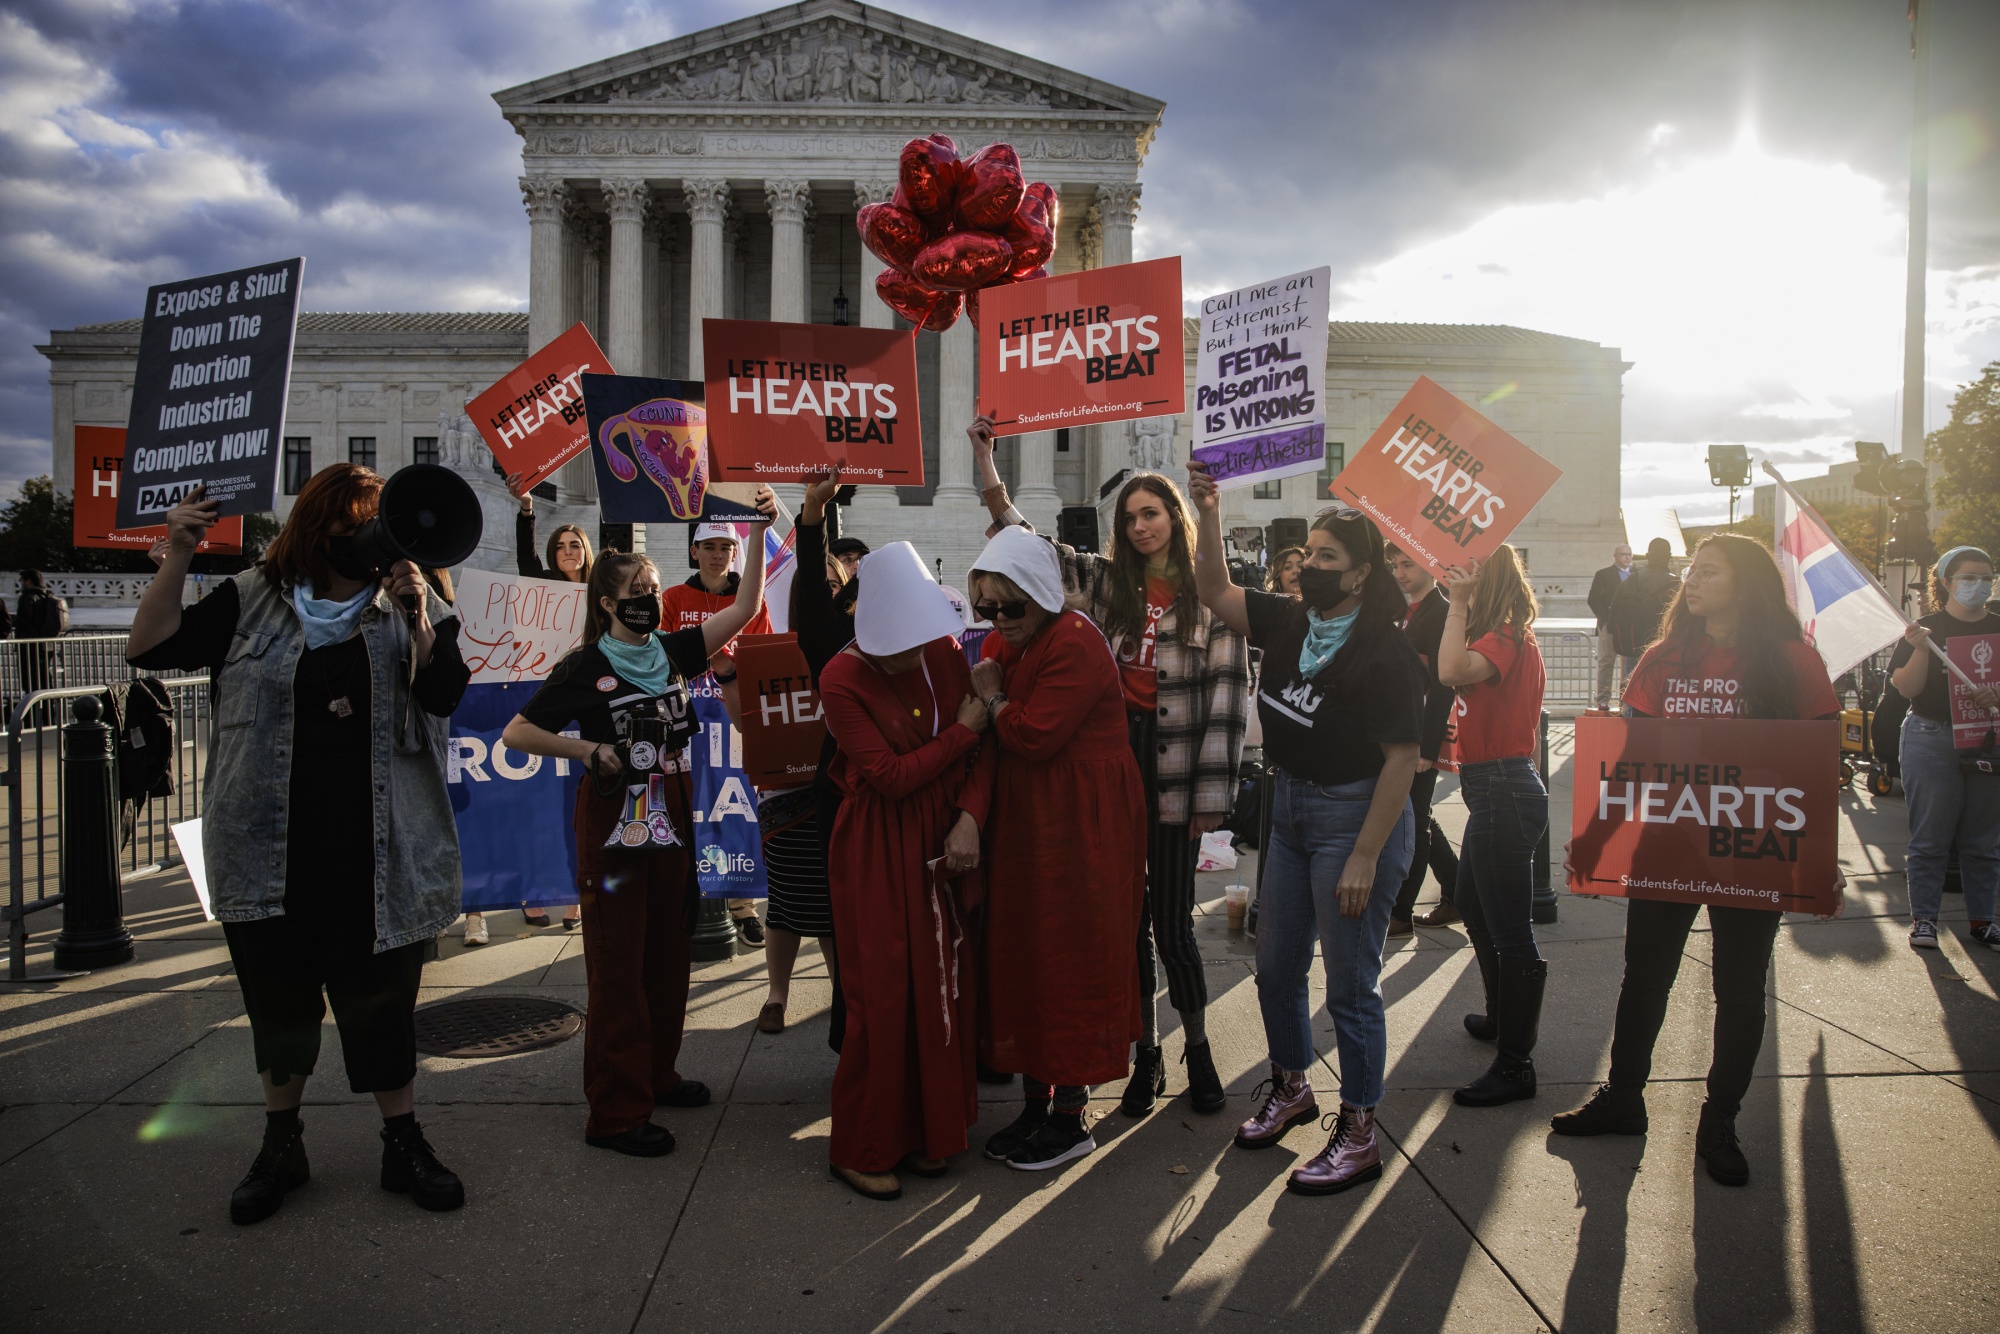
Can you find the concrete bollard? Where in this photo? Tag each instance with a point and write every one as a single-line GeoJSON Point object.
{"type": "Point", "coordinates": [93, 933]}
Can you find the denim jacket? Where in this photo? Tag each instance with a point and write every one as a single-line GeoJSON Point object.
{"type": "Point", "coordinates": [249, 787]}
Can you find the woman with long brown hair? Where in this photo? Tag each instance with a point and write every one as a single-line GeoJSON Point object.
{"type": "Point", "coordinates": [1488, 654]}
{"type": "Point", "coordinates": [331, 705]}
{"type": "Point", "coordinates": [625, 688]}
{"type": "Point", "coordinates": [1185, 675]}
{"type": "Point", "coordinates": [1730, 648]}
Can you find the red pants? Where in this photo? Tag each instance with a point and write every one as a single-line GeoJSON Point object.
{"type": "Point", "coordinates": [637, 955]}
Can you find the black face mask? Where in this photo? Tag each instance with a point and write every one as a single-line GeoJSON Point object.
{"type": "Point", "coordinates": [640, 614]}
{"type": "Point", "coordinates": [1321, 589]}
{"type": "Point", "coordinates": [346, 558]}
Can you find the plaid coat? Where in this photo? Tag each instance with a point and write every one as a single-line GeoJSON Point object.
{"type": "Point", "coordinates": [1204, 695]}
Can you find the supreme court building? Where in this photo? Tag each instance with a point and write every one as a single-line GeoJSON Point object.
{"type": "Point", "coordinates": [718, 174]}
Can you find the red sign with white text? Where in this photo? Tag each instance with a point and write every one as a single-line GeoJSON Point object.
{"type": "Point", "coordinates": [100, 464]}
{"type": "Point", "coordinates": [532, 417]}
{"type": "Point", "coordinates": [782, 727]}
{"type": "Point", "coordinates": [1735, 812]}
{"type": "Point", "coordinates": [1442, 482]}
{"type": "Point", "coordinates": [1103, 345]}
{"type": "Point", "coordinates": [785, 401]}
{"type": "Point", "coordinates": [1978, 656]}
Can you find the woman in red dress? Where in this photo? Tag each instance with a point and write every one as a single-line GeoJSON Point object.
{"type": "Point", "coordinates": [1068, 867]}
{"type": "Point", "coordinates": [915, 786]}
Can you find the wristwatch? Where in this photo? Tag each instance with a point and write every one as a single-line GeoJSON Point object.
{"type": "Point", "coordinates": [995, 700]}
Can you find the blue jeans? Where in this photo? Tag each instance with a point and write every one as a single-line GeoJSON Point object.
{"type": "Point", "coordinates": [1313, 830]}
{"type": "Point", "coordinates": [1948, 806]}
{"type": "Point", "coordinates": [1506, 810]}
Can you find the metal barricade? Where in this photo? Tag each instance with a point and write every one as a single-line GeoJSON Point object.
{"type": "Point", "coordinates": [30, 665]}
{"type": "Point", "coordinates": [34, 799]}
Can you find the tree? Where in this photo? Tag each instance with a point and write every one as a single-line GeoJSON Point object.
{"type": "Point", "coordinates": [1968, 454]}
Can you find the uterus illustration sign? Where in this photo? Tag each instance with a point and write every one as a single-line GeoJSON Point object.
{"type": "Point", "coordinates": [649, 444]}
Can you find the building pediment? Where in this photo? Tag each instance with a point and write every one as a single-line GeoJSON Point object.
{"type": "Point", "coordinates": [827, 54]}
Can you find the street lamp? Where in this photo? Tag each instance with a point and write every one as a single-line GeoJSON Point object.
{"type": "Point", "coordinates": [1729, 465]}
{"type": "Point", "coordinates": [840, 280]}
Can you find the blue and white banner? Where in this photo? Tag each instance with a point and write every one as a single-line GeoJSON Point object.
{"type": "Point", "coordinates": [516, 837]}
{"type": "Point", "coordinates": [728, 842]}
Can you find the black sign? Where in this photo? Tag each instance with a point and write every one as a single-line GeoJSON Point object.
{"type": "Point", "coordinates": [208, 398]}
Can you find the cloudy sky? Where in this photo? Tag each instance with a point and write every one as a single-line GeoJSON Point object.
{"type": "Point", "coordinates": [1718, 189]}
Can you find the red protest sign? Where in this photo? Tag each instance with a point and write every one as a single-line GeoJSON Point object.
{"type": "Point", "coordinates": [1737, 812]}
{"type": "Point", "coordinates": [1441, 481]}
{"type": "Point", "coordinates": [100, 464]}
{"type": "Point", "coordinates": [1978, 656]}
{"type": "Point", "coordinates": [786, 400]}
{"type": "Point", "coordinates": [781, 723]}
{"type": "Point", "coordinates": [1103, 345]}
{"type": "Point", "coordinates": [532, 417]}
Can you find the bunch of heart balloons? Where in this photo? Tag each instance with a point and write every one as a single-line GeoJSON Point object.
{"type": "Point", "coordinates": [957, 225]}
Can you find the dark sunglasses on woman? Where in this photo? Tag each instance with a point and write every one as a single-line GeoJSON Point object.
{"type": "Point", "coordinates": [993, 611]}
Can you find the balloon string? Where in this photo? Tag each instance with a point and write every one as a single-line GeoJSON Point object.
{"type": "Point", "coordinates": [929, 310]}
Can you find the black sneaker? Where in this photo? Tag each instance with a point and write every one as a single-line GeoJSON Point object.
{"type": "Point", "coordinates": [1002, 1143]}
{"type": "Point", "coordinates": [687, 1093]}
{"type": "Point", "coordinates": [644, 1140]}
{"type": "Point", "coordinates": [1061, 1138]}
{"type": "Point", "coordinates": [280, 1167]}
{"type": "Point", "coordinates": [1608, 1111]}
{"type": "Point", "coordinates": [1715, 1144]}
{"type": "Point", "coordinates": [409, 1167]}
{"type": "Point", "coordinates": [1204, 1085]}
{"type": "Point", "coordinates": [1148, 1082]}
{"type": "Point", "coordinates": [751, 931]}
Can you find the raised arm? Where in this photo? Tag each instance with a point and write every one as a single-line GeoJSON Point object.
{"type": "Point", "coordinates": [159, 613]}
{"type": "Point", "coordinates": [1211, 571]}
{"type": "Point", "coordinates": [991, 489]}
{"type": "Point", "coordinates": [526, 562]}
{"type": "Point", "coordinates": [1457, 665]}
{"type": "Point", "coordinates": [726, 624]}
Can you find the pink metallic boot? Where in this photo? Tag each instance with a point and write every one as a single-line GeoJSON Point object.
{"type": "Point", "coordinates": [1351, 1157]}
{"type": "Point", "coordinates": [1291, 1104]}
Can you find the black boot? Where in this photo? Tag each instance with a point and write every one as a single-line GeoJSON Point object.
{"type": "Point", "coordinates": [1482, 1026]}
{"type": "Point", "coordinates": [280, 1167]}
{"type": "Point", "coordinates": [409, 1167]}
{"type": "Point", "coordinates": [1034, 1114]}
{"type": "Point", "coordinates": [1609, 1111]}
{"type": "Point", "coordinates": [1512, 1074]}
{"type": "Point", "coordinates": [1148, 1082]}
{"type": "Point", "coordinates": [1715, 1144]}
{"type": "Point", "coordinates": [1204, 1085]}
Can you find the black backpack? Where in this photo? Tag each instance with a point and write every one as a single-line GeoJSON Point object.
{"type": "Point", "coordinates": [142, 717]}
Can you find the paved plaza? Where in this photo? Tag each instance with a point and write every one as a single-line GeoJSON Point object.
{"type": "Point", "coordinates": [130, 1110]}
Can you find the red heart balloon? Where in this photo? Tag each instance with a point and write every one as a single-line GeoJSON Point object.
{"type": "Point", "coordinates": [990, 188]}
{"type": "Point", "coordinates": [1028, 275]}
{"type": "Point", "coordinates": [920, 305]}
{"type": "Point", "coordinates": [893, 234]}
{"type": "Point", "coordinates": [972, 307]}
{"type": "Point", "coordinates": [1051, 204]}
{"type": "Point", "coordinates": [929, 173]}
{"type": "Point", "coordinates": [1032, 240]}
{"type": "Point", "coordinates": [963, 260]}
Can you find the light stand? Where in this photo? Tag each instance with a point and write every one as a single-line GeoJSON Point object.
{"type": "Point", "coordinates": [1729, 465]}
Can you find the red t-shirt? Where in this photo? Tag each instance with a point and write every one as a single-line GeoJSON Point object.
{"type": "Point", "coordinates": [1500, 718]}
{"type": "Point", "coordinates": [684, 606]}
{"type": "Point", "coordinates": [1138, 669]}
{"type": "Point", "coordinates": [1707, 682]}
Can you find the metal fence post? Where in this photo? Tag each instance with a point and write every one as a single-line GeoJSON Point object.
{"type": "Point", "coordinates": [93, 932]}
{"type": "Point", "coordinates": [1546, 909]}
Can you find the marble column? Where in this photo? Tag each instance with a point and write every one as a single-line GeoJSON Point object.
{"type": "Point", "coordinates": [788, 200]}
{"type": "Point", "coordinates": [1037, 496]}
{"type": "Point", "coordinates": [652, 303]}
{"type": "Point", "coordinates": [544, 197]}
{"type": "Point", "coordinates": [391, 451]}
{"type": "Point", "coordinates": [1117, 207]}
{"type": "Point", "coordinates": [625, 322]}
{"type": "Point", "coordinates": [873, 511]}
{"type": "Point", "coordinates": [576, 483]}
{"type": "Point", "coordinates": [958, 370]}
{"type": "Point", "coordinates": [708, 202]}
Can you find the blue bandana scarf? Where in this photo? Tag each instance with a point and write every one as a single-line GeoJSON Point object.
{"type": "Point", "coordinates": [644, 665]}
{"type": "Point", "coordinates": [326, 621]}
{"type": "Point", "coordinates": [1324, 638]}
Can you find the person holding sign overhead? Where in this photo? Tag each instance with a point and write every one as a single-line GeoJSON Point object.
{"type": "Point", "coordinates": [1489, 655]}
{"type": "Point", "coordinates": [625, 688]}
{"type": "Point", "coordinates": [1186, 681]}
{"type": "Point", "coordinates": [1730, 648]}
{"type": "Point", "coordinates": [1342, 704]}
{"type": "Point", "coordinates": [916, 779]}
{"type": "Point", "coordinates": [1949, 804]}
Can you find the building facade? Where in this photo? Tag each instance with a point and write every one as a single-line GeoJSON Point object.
{"type": "Point", "coordinates": [718, 174]}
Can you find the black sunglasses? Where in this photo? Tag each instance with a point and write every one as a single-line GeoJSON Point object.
{"type": "Point", "coordinates": [1345, 513]}
{"type": "Point", "coordinates": [993, 611]}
